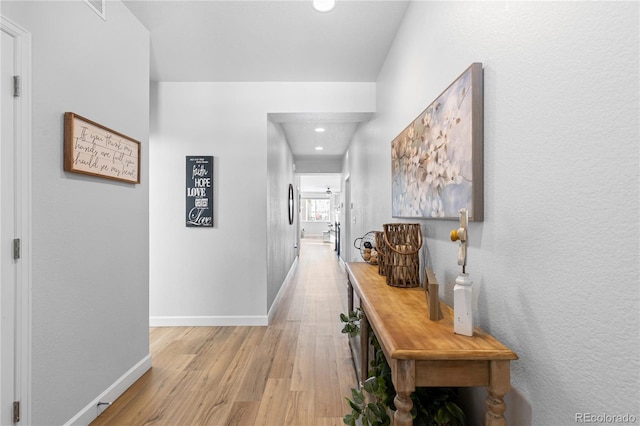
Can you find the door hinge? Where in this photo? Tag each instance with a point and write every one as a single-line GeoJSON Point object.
{"type": "Point", "coordinates": [16, 249]}
{"type": "Point", "coordinates": [16, 411]}
{"type": "Point", "coordinates": [16, 86]}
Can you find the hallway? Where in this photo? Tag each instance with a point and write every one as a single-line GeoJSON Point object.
{"type": "Point", "coordinates": [296, 371]}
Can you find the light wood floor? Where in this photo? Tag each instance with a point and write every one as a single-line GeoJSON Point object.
{"type": "Point", "coordinates": [296, 371]}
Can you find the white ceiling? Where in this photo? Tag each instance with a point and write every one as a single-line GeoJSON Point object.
{"type": "Point", "coordinates": [301, 128]}
{"type": "Point", "coordinates": [274, 40]}
{"type": "Point", "coordinates": [266, 40]}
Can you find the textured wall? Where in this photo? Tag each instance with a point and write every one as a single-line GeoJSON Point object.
{"type": "Point", "coordinates": [90, 276]}
{"type": "Point", "coordinates": [555, 263]}
{"type": "Point", "coordinates": [281, 236]}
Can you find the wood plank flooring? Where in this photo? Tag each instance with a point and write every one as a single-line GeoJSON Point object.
{"type": "Point", "coordinates": [296, 371]}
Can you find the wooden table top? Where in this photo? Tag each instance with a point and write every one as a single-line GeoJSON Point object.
{"type": "Point", "coordinates": [400, 319]}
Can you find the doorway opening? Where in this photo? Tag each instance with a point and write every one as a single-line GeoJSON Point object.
{"type": "Point", "coordinates": [320, 208]}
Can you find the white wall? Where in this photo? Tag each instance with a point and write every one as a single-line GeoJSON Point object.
{"type": "Point", "coordinates": [369, 194]}
{"type": "Point", "coordinates": [555, 263]}
{"type": "Point", "coordinates": [219, 275]}
{"type": "Point", "coordinates": [90, 236]}
{"type": "Point", "coordinates": [319, 165]}
{"type": "Point", "coordinates": [281, 235]}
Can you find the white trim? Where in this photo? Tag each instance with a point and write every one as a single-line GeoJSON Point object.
{"type": "Point", "coordinates": [283, 287]}
{"type": "Point", "coordinates": [208, 321]}
{"type": "Point", "coordinates": [102, 12]}
{"type": "Point", "coordinates": [92, 410]}
{"type": "Point", "coordinates": [23, 215]}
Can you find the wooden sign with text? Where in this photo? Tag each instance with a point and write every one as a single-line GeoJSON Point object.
{"type": "Point", "coordinates": [199, 196]}
{"type": "Point", "coordinates": [92, 149]}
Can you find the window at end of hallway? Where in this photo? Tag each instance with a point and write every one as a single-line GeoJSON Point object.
{"type": "Point", "coordinates": [315, 210]}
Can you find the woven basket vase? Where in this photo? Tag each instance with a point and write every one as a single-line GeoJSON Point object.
{"type": "Point", "coordinates": [382, 252]}
{"type": "Point", "coordinates": [403, 242]}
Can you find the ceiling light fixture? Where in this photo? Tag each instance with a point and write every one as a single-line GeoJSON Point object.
{"type": "Point", "coordinates": [319, 148]}
{"type": "Point", "coordinates": [319, 129]}
{"type": "Point", "coordinates": [323, 5]}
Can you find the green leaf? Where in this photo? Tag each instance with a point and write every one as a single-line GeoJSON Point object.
{"type": "Point", "coordinates": [386, 420]}
{"type": "Point", "coordinates": [349, 419]}
{"type": "Point", "coordinates": [370, 414]}
{"type": "Point", "coordinates": [355, 407]}
{"type": "Point", "coordinates": [371, 385]}
{"type": "Point", "coordinates": [358, 397]}
{"type": "Point", "coordinates": [443, 416]}
{"type": "Point", "coordinates": [456, 411]}
{"type": "Point", "coordinates": [344, 318]}
{"type": "Point", "coordinates": [375, 409]}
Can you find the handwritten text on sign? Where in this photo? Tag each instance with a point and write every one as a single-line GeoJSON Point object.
{"type": "Point", "coordinates": [93, 149]}
{"type": "Point", "coordinates": [199, 186]}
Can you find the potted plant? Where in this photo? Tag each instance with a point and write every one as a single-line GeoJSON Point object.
{"type": "Point", "coordinates": [431, 406]}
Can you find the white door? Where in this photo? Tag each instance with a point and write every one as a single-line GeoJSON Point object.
{"type": "Point", "coordinates": [15, 225]}
{"type": "Point", "coordinates": [8, 265]}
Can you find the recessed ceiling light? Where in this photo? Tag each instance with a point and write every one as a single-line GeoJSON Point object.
{"type": "Point", "coordinates": [323, 5]}
{"type": "Point", "coordinates": [319, 148]}
{"type": "Point", "coordinates": [319, 129]}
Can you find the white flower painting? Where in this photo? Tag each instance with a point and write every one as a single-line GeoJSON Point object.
{"type": "Point", "coordinates": [433, 158]}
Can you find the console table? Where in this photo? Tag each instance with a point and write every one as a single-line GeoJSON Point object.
{"type": "Point", "coordinates": [422, 352]}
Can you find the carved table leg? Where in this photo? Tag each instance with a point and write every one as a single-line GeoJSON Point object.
{"type": "Point", "coordinates": [404, 380]}
{"type": "Point", "coordinates": [499, 385]}
{"type": "Point", "coordinates": [349, 294]}
{"type": "Point", "coordinates": [364, 348]}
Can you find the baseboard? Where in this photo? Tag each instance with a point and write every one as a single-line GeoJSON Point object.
{"type": "Point", "coordinates": [92, 410]}
{"type": "Point", "coordinates": [230, 320]}
{"type": "Point", "coordinates": [283, 288]}
{"type": "Point", "coordinates": [342, 264]}
{"type": "Point", "coordinates": [208, 321]}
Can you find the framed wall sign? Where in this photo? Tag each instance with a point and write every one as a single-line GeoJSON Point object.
{"type": "Point", "coordinates": [199, 191]}
{"type": "Point", "coordinates": [93, 149]}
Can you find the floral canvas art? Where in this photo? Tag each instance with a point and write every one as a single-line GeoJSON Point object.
{"type": "Point", "coordinates": [437, 160]}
